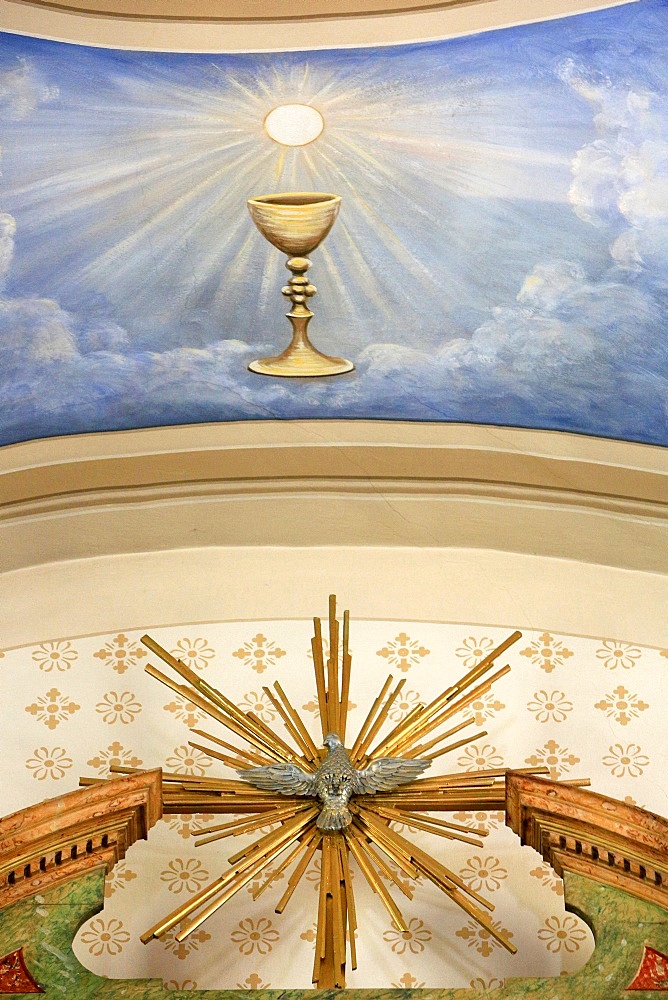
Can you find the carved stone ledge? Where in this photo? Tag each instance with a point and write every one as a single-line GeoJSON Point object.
{"type": "Point", "coordinates": [580, 831]}
{"type": "Point", "coordinates": [67, 836]}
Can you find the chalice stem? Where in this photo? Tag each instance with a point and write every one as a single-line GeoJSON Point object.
{"type": "Point", "coordinates": [299, 290]}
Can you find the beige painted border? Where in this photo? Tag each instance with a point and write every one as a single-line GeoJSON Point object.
{"type": "Point", "coordinates": [243, 34]}
{"type": "Point", "coordinates": [143, 591]}
{"type": "Point", "coordinates": [337, 484]}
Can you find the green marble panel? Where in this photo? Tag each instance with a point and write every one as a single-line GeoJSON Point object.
{"type": "Point", "coordinates": [46, 925]}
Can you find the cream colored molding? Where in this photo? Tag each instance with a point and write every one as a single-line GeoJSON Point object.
{"type": "Point", "coordinates": [335, 483]}
{"type": "Point", "coordinates": [233, 25]}
{"type": "Point", "coordinates": [145, 590]}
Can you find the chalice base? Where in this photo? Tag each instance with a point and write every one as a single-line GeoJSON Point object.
{"type": "Point", "coordinates": [301, 361]}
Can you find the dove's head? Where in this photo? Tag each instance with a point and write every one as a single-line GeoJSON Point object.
{"type": "Point", "coordinates": [332, 740]}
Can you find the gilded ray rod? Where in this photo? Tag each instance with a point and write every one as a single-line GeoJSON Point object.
{"type": "Point", "coordinates": [236, 762]}
{"type": "Point", "coordinates": [424, 725]}
{"type": "Point", "coordinates": [277, 872]}
{"type": "Point", "coordinates": [376, 883]}
{"type": "Point", "coordinates": [292, 729]}
{"type": "Point", "coordinates": [214, 712]}
{"type": "Point", "coordinates": [319, 669]}
{"type": "Point", "coordinates": [346, 666]}
{"type": "Point", "coordinates": [350, 900]}
{"type": "Point", "coordinates": [306, 741]}
{"type": "Point", "coordinates": [247, 754]}
{"type": "Point", "coordinates": [423, 747]}
{"type": "Point", "coordinates": [310, 846]}
{"type": "Point", "coordinates": [220, 831]}
{"type": "Point", "coordinates": [380, 719]}
{"type": "Point", "coordinates": [404, 816]}
{"type": "Point", "coordinates": [366, 725]}
{"type": "Point", "coordinates": [435, 706]}
{"type": "Point", "coordinates": [381, 863]}
{"type": "Point", "coordinates": [378, 836]}
{"type": "Point", "coordinates": [456, 746]}
{"type": "Point", "coordinates": [267, 842]}
{"type": "Point", "coordinates": [333, 668]}
{"type": "Point", "coordinates": [244, 873]}
{"type": "Point", "coordinates": [215, 704]}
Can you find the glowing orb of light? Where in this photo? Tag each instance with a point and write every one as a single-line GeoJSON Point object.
{"type": "Point", "coordinates": [294, 124]}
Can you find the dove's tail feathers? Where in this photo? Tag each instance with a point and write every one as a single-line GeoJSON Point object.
{"type": "Point", "coordinates": [334, 818]}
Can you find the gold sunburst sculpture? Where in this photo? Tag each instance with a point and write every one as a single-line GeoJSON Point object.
{"type": "Point", "coordinates": [369, 838]}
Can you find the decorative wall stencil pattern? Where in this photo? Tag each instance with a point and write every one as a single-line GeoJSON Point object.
{"type": "Point", "coordinates": [557, 722]}
{"type": "Point", "coordinates": [500, 255]}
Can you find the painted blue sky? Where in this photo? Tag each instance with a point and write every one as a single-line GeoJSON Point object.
{"type": "Point", "coordinates": [501, 255]}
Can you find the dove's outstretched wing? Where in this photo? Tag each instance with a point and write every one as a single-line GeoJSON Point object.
{"type": "Point", "coordinates": [284, 778]}
{"type": "Point", "coordinates": [387, 773]}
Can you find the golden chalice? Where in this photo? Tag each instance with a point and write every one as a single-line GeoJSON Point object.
{"type": "Point", "coordinates": [296, 223]}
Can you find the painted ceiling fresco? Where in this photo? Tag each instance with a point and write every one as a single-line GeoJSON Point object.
{"type": "Point", "coordinates": [501, 254]}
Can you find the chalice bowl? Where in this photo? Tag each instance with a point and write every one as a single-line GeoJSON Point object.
{"type": "Point", "coordinates": [296, 223]}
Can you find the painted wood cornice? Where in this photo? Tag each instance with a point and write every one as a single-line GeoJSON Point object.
{"type": "Point", "coordinates": [601, 838]}
{"type": "Point", "coordinates": [62, 838]}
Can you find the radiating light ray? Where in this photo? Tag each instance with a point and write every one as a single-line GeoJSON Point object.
{"type": "Point", "coordinates": [392, 243]}
{"type": "Point", "coordinates": [164, 217]}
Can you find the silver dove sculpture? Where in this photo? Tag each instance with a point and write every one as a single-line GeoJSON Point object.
{"type": "Point", "coordinates": [335, 781]}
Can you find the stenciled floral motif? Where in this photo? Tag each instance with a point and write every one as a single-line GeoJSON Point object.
{"type": "Point", "coordinates": [121, 652]}
{"type": "Point", "coordinates": [185, 711]}
{"type": "Point", "coordinates": [481, 820]}
{"type": "Point", "coordinates": [313, 707]}
{"type": "Point", "coordinates": [547, 652]}
{"type": "Point", "coordinates": [188, 760]}
{"type": "Point", "coordinates": [261, 878]}
{"type": "Point", "coordinates": [47, 763]}
{"type": "Point", "coordinates": [255, 935]}
{"type": "Point", "coordinates": [53, 708]}
{"type": "Point", "coordinates": [114, 756]}
{"type": "Point", "coordinates": [183, 948]}
{"type": "Point", "coordinates": [550, 706]}
{"type": "Point", "coordinates": [408, 982]}
{"type": "Point", "coordinates": [548, 878]}
{"type": "Point", "coordinates": [118, 878]}
{"type": "Point", "coordinates": [626, 761]}
{"type": "Point", "coordinates": [481, 985]}
{"type": "Point", "coordinates": [556, 758]}
{"type": "Point", "coordinates": [399, 877]}
{"type": "Point", "coordinates": [259, 704]}
{"type": "Point", "coordinates": [562, 932]}
{"type": "Point", "coordinates": [403, 653]}
{"type": "Point", "coordinates": [185, 824]}
{"type": "Point", "coordinates": [618, 654]}
{"type": "Point", "coordinates": [404, 704]}
{"type": "Point", "coordinates": [481, 939]}
{"type": "Point", "coordinates": [413, 939]}
{"type": "Point", "coordinates": [184, 875]}
{"type": "Point", "coordinates": [195, 653]}
{"type": "Point", "coordinates": [313, 873]}
{"type": "Point", "coordinates": [484, 873]}
{"type": "Point", "coordinates": [57, 654]}
{"type": "Point", "coordinates": [253, 982]}
{"type": "Point", "coordinates": [259, 653]}
{"type": "Point", "coordinates": [118, 706]}
{"type": "Point", "coordinates": [621, 705]}
{"type": "Point", "coordinates": [473, 650]}
{"type": "Point", "coordinates": [105, 936]}
{"type": "Point", "coordinates": [478, 757]}
{"type": "Point", "coordinates": [310, 934]}
{"type": "Point", "coordinates": [485, 707]}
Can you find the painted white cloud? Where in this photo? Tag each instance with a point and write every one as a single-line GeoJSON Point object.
{"type": "Point", "coordinates": [22, 90]}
